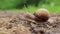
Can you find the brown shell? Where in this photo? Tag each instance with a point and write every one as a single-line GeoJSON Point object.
{"type": "Point", "coordinates": [42, 14]}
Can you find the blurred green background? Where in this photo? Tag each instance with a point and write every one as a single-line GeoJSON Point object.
{"type": "Point", "coordinates": [30, 5]}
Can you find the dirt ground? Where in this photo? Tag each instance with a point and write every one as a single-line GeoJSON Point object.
{"type": "Point", "coordinates": [15, 23]}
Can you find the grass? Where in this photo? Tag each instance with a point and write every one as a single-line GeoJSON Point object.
{"type": "Point", "coordinates": [52, 9]}
{"type": "Point", "coordinates": [11, 5]}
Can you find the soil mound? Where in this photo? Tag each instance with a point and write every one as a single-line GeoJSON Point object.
{"type": "Point", "coordinates": [15, 23]}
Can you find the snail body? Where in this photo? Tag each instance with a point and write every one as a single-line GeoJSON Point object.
{"type": "Point", "coordinates": [41, 15]}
